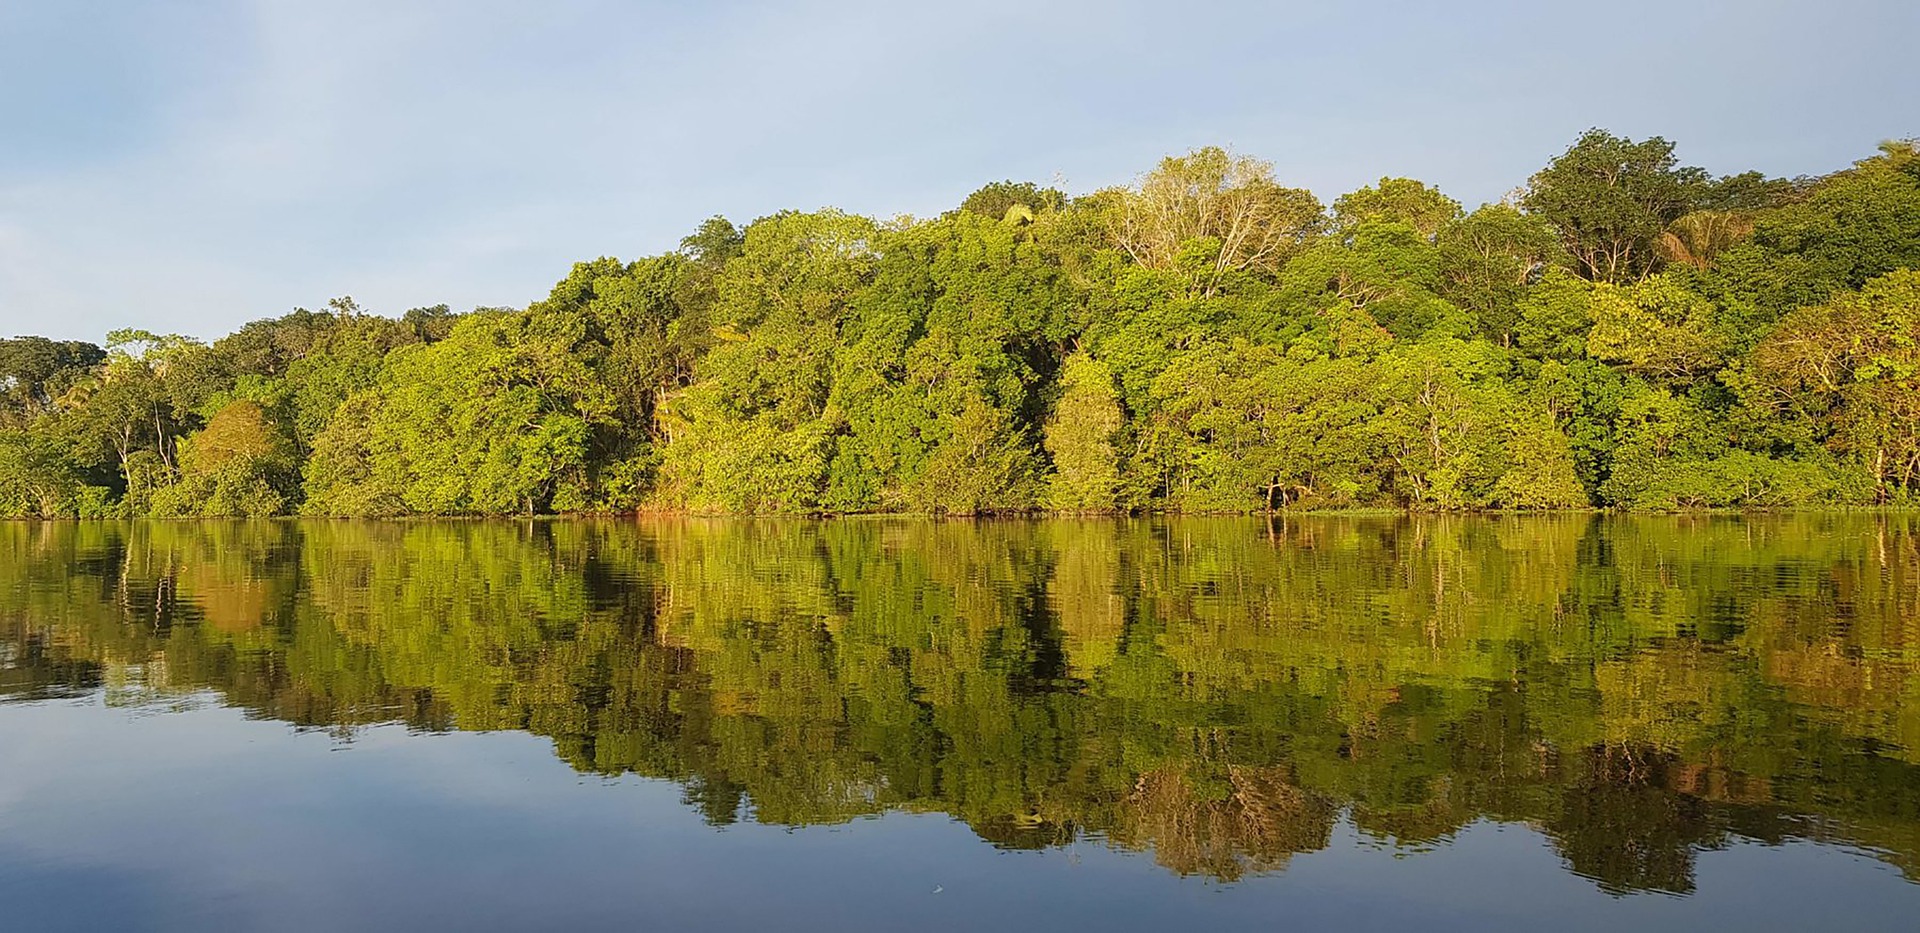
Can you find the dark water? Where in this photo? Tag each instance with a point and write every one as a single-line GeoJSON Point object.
{"type": "Point", "coordinates": [1442, 723]}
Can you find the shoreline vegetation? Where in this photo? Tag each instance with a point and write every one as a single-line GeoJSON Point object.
{"type": "Point", "coordinates": [1622, 333]}
{"type": "Point", "coordinates": [645, 515]}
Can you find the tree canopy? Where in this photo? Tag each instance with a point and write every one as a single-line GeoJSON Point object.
{"type": "Point", "coordinates": [1626, 331]}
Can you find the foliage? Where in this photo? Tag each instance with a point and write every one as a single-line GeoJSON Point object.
{"type": "Point", "coordinates": [1625, 332]}
{"type": "Point", "coordinates": [1212, 213]}
{"type": "Point", "coordinates": [1655, 327]}
{"type": "Point", "coordinates": [1004, 200]}
{"type": "Point", "coordinates": [241, 463]}
{"type": "Point", "coordinates": [36, 482]}
{"type": "Point", "coordinates": [1489, 259]}
{"type": "Point", "coordinates": [1611, 199]}
{"type": "Point", "coordinates": [1080, 435]}
{"type": "Point", "coordinates": [35, 371]}
{"type": "Point", "coordinates": [1397, 200]}
{"type": "Point", "coordinates": [1852, 367]}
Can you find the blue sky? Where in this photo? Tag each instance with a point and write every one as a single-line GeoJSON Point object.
{"type": "Point", "coordinates": [187, 167]}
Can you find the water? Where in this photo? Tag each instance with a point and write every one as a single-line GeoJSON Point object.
{"type": "Point", "coordinates": [1449, 723]}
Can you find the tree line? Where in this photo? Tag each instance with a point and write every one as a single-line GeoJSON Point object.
{"type": "Point", "coordinates": [1622, 332]}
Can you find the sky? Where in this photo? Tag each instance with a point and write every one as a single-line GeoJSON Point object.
{"type": "Point", "coordinates": [187, 167]}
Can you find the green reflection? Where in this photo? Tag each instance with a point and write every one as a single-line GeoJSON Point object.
{"type": "Point", "coordinates": [1217, 691]}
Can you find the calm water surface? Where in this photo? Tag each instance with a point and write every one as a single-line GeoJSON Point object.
{"type": "Point", "coordinates": [1441, 723]}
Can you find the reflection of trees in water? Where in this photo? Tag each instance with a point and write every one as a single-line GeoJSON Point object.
{"type": "Point", "coordinates": [1624, 823]}
{"type": "Point", "coordinates": [1254, 823]}
{"type": "Point", "coordinates": [1217, 691]}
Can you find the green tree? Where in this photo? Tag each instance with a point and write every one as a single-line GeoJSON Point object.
{"type": "Point", "coordinates": [1611, 199]}
{"type": "Point", "coordinates": [241, 463]}
{"type": "Point", "coordinates": [1489, 259]}
{"type": "Point", "coordinates": [125, 418]}
{"type": "Point", "coordinates": [35, 371]}
{"type": "Point", "coordinates": [1205, 340]}
{"type": "Point", "coordinates": [343, 476]}
{"type": "Point", "coordinates": [753, 432]}
{"type": "Point", "coordinates": [981, 465]}
{"type": "Point", "coordinates": [714, 242]}
{"type": "Point", "coordinates": [37, 482]}
{"type": "Point", "coordinates": [1386, 270]}
{"type": "Point", "coordinates": [1845, 229]}
{"type": "Point", "coordinates": [495, 419]}
{"type": "Point", "coordinates": [1852, 366]}
{"type": "Point", "coordinates": [1396, 200]}
{"type": "Point", "coordinates": [1001, 199]}
{"type": "Point", "coordinates": [964, 313]}
{"type": "Point", "coordinates": [1656, 327]}
{"type": "Point", "coordinates": [1080, 434]}
{"type": "Point", "coordinates": [1537, 469]}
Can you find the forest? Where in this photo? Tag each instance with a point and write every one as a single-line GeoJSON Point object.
{"type": "Point", "coordinates": [1621, 332]}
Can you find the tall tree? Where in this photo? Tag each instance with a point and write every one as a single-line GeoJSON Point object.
{"type": "Point", "coordinates": [1080, 435]}
{"type": "Point", "coordinates": [34, 371]}
{"type": "Point", "coordinates": [999, 200]}
{"type": "Point", "coordinates": [1611, 198]}
{"type": "Point", "coordinates": [1852, 365]}
{"type": "Point", "coordinates": [1214, 213]}
{"type": "Point", "coordinates": [1396, 200]}
{"type": "Point", "coordinates": [1489, 259]}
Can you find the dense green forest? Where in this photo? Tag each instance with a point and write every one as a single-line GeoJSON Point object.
{"type": "Point", "coordinates": [1622, 332]}
{"type": "Point", "coordinates": [1221, 690]}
